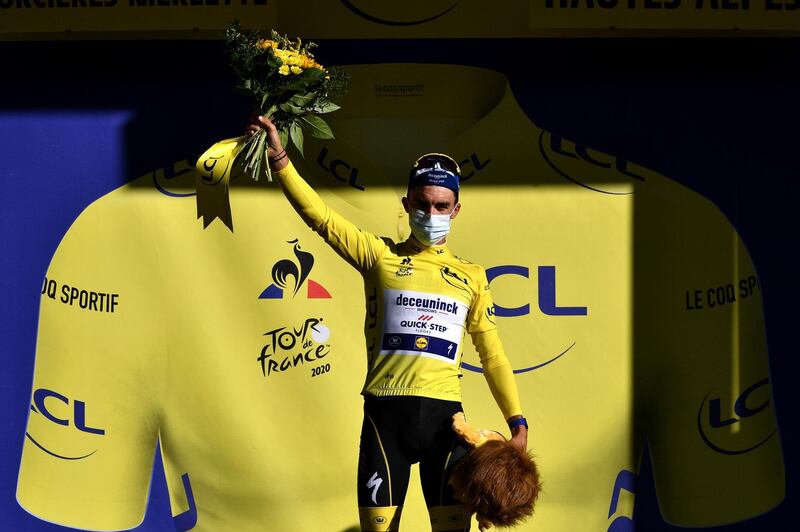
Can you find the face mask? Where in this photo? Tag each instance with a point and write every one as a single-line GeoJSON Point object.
{"type": "Point", "coordinates": [429, 228]}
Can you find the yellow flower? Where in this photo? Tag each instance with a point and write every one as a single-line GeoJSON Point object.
{"type": "Point", "coordinates": [266, 43]}
{"type": "Point", "coordinates": [284, 69]}
{"type": "Point", "coordinates": [296, 69]}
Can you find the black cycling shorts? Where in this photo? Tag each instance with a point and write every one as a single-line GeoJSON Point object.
{"type": "Point", "coordinates": [400, 431]}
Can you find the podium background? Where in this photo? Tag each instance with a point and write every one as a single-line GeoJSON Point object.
{"type": "Point", "coordinates": [78, 119]}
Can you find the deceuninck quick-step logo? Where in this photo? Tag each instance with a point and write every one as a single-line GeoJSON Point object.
{"type": "Point", "coordinates": [61, 427]}
{"type": "Point", "coordinates": [422, 324]}
{"type": "Point", "coordinates": [289, 276]}
{"type": "Point", "coordinates": [546, 281]}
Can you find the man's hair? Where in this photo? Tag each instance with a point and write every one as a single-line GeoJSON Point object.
{"type": "Point", "coordinates": [429, 160]}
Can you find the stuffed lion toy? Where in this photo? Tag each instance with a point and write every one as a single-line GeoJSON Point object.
{"type": "Point", "coordinates": [495, 480]}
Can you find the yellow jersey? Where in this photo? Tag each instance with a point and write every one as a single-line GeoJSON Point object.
{"type": "Point", "coordinates": [420, 302]}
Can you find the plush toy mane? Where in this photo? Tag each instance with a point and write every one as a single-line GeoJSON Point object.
{"type": "Point", "coordinates": [495, 480]}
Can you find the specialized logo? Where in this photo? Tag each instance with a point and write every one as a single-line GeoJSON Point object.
{"type": "Point", "coordinates": [373, 484]}
{"type": "Point", "coordinates": [546, 303]}
{"type": "Point", "coordinates": [755, 429]}
{"type": "Point", "coordinates": [394, 14]}
{"type": "Point", "coordinates": [595, 171]}
{"type": "Point", "coordinates": [298, 271]}
{"type": "Point", "coordinates": [289, 347]}
{"type": "Point", "coordinates": [51, 407]}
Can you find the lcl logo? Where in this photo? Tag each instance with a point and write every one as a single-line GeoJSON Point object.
{"type": "Point", "coordinates": [744, 408]}
{"type": "Point", "coordinates": [546, 278]}
{"type": "Point", "coordinates": [596, 171]}
{"type": "Point", "coordinates": [44, 403]}
{"type": "Point", "coordinates": [547, 292]}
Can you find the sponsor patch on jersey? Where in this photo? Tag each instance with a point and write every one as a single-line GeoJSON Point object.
{"type": "Point", "coordinates": [423, 324]}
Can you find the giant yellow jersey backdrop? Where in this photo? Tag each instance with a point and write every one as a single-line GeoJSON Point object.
{"type": "Point", "coordinates": [626, 303]}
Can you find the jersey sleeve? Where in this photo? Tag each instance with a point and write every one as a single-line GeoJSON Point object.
{"type": "Point", "coordinates": [481, 310]}
{"type": "Point", "coordinates": [496, 366]}
{"type": "Point", "coordinates": [91, 432]}
{"type": "Point", "coordinates": [358, 247]}
{"type": "Point", "coordinates": [702, 383]}
{"type": "Point", "coordinates": [498, 372]}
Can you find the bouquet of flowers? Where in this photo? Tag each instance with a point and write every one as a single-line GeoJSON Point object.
{"type": "Point", "coordinates": [286, 85]}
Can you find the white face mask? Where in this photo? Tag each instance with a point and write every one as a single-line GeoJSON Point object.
{"type": "Point", "coordinates": [429, 228]}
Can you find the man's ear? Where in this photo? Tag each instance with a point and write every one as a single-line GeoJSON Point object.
{"type": "Point", "coordinates": [405, 204]}
{"type": "Point", "coordinates": [456, 210]}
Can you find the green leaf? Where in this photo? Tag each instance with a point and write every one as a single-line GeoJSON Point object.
{"type": "Point", "coordinates": [312, 74]}
{"type": "Point", "coordinates": [284, 135]}
{"type": "Point", "coordinates": [317, 127]}
{"type": "Point", "coordinates": [301, 100]}
{"type": "Point", "coordinates": [326, 107]}
{"type": "Point", "coordinates": [297, 136]}
{"type": "Point", "coordinates": [289, 108]}
{"type": "Point", "coordinates": [269, 112]}
{"type": "Point", "coordinates": [264, 100]}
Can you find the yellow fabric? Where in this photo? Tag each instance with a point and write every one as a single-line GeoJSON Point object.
{"type": "Point", "coordinates": [637, 316]}
{"type": "Point", "coordinates": [380, 518]}
{"type": "Point", "coordinates": [430, 271]}
{"type": "Point", "coordinates": [448, 518]}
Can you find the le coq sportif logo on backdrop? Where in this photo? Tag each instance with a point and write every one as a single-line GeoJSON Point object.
{"type": "Point", "coordinates": [289, 276]}
{"type": "Point", "coordinates": [409, 13]}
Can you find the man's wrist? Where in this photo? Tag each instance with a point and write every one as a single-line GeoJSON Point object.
{"type": "Point", "coordinates": [517, 421]}
{"type": "Point", "coordinates": [279, 162]}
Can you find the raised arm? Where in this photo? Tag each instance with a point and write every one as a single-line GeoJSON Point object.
{"type": "Point", "coordinates": [360, 248]}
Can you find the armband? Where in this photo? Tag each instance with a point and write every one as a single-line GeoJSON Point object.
{"type": "Point", "coordinates": [517, 422]}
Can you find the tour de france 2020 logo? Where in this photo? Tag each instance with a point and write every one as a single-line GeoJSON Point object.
{"type": "Point", "coordinates": [288, 347]}
{"type": "Point", "coordinates": [298, 271]}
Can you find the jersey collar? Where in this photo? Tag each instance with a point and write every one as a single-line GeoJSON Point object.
{"type": "Point", "coordinates": [416, 91]}
{"type": "Point", "coordinates": [416, 248]}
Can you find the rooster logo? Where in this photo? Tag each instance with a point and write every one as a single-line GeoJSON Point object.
{"type": "Point", "coordinates": [288, 275]}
